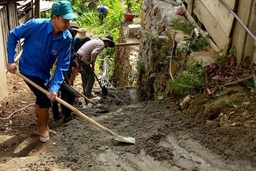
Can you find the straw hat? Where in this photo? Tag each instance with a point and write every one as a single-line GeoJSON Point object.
{"type": "Point", "coordinates": [81, 33]}
{"type": "Point", "coordinates": [74, 25]}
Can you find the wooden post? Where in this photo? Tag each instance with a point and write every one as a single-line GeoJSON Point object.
{"type": "Point", "coordinates": [190, 4]}
{"type": "Point", "coordinates": [37, 9]}
{"type": "Point", "coordinates": [249, 45]}
{"type": "Point", "coordinates": [239, 33]}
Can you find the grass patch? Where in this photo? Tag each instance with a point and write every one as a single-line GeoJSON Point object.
{"type": "Point", "coordinates": [190, 81]}
{"type": "Point", "coordinates": [182, 26]}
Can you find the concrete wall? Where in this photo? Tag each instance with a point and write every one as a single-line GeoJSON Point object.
{"type": "Point", "coordinates": [3, 82]}
{"type": "Point", "coordinates": [8, 20]}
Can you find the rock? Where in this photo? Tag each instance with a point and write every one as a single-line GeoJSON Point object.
{"type": "Point", "coordinates": [185, 103]}
{"type": "Point", "coordinates": [133, 30]}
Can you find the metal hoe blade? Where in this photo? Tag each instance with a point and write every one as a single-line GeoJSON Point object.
{"type": "Point", "coordinates": [120, 138]}
{"type": "Point", "coordinates": [130, 140]}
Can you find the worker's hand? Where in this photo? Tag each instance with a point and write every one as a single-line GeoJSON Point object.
{"type": "Point", "coordinates": [79, 56]}
{"type": "Point", "coordinates": [51, 95]}
{"type": "Point", "coordinates": [68, 82]}
{"type": "Point", "coordinates": [91, 69]}
{"type": "Point", "coordinates": [11, 67]}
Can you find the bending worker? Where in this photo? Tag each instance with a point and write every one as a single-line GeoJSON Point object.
{"type": "Point", "coordinates": [88, 54]}
{"type": "Point", "coordinates": [103, 12]}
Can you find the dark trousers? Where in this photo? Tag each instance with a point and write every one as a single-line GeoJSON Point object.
{"type": "Point", "coordinates": [68, 95]}
{"type": "Point", "coordinates": [88, 79]}
{"type": "Point", "coordinates": [41, 99]}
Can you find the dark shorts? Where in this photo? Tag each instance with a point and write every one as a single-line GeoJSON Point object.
{"type": "Point", "coordinates": [41, 99]}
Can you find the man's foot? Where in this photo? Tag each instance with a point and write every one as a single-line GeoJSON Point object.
{"type": "Point", "coordinates": [50, 131]}
{"type": "Point", "coordinates": [44, 138]}
{"type": "Point", "coordinates": [92, 96]}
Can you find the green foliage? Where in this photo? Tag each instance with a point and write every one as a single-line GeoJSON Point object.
{"type": "Point", "coordinates": [231, 103]}
{"type": "Point", "coordinates": [139, 66]}
{"type": "Point", "coordinates": [232, 51]}
{"type": "Point", "coordinates": [89, 16]}
{"type": "Point", "coordinates": [45, 15]}
{"type": "Point", "coordinates": [217, 95]}
{"type": "Point", "coordinates": [197, 44]}
{"type": "Point", "coordinates": [137, 6]}
{"type": "Point", "coordinates": [193, 44]}
{"type": "Point", "coordinates": [193, 110]}
{"type": "Point", "coordinates": [129, 4]}
{"type": "Point", "coordinates": [190, 81]}
{"type": "Point", "coordinates": [133, 6]}
{"type": "Point", "coordinates": [245, 105]}
{"type": "Point", "coordinates": [180, 25]}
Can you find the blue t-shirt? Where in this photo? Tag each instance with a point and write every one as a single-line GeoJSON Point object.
{"type": "Point", "coordinates": [78, 43]}
{"type": "Point", "coordinates": [103, 10]}
{"type": "Point", "coordinates": [40, 51]}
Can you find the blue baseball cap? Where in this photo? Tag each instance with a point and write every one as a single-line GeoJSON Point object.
{"type": "Point", "coordinates": [63, 8]}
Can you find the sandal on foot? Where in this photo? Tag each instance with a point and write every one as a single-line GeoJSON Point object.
{"type": "Point", "coordinates": [44, 138]}
{"type": "Point", "coordinates": [50, 131]}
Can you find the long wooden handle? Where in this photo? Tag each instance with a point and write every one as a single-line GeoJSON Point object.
{"type": "Point", "coordinates": [64, 103]}
{"type": "Point", "coordinates": [97, 80]}
{"type": "Point", "coordinates": [82, 95]}
{"type": "Point", "coordinates": [127, 44]}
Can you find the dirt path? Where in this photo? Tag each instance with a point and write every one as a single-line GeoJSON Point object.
{"type": "Point", "coordinates": [165, 138]}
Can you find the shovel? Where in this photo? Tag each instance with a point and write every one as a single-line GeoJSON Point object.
{"type": "Point", "coordinates": [116, 137]}
{"type": "Point", "coordinates": [104, 90]}
{"type": "Point", "coordinates": [82, 95]}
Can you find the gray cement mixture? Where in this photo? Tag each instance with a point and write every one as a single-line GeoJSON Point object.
{"type": "Point", "coordinates": [166, 139]}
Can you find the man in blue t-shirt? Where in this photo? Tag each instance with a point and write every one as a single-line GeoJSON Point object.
{"type": "Point", "coordinates": [79, 40]}
{"type": "Point", "coordinates": [103, 12]}
{"type": "Point", "coordinates": [45, 41]}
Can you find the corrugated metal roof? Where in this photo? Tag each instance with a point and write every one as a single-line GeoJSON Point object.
{"type": "Point", "coordinates": [44, 5]}
{"type": "Point", "coordinates": [2, 2]}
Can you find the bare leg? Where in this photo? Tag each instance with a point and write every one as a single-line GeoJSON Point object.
{"type": "Point", "coordinates": [42, 123]}
{"type": "Point", "coordinates": [38, 128]}
{"type": "Point", "coordinates": [37, 111]}
{"type": "Point", "coordinates": [73, 75]}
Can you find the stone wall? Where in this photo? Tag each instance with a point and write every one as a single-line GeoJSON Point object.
{"type": "Point", "coordinates": [122, 63]}
{"type": "Point", "coordinates": [127, 56]}
{"type": "Point", "coordinates": [155, 49]}
{"type": "Point", "coordinates": [150, 65]}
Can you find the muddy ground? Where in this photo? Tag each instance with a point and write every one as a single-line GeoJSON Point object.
{"type": "Point", "coordinates": [220, 136]}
